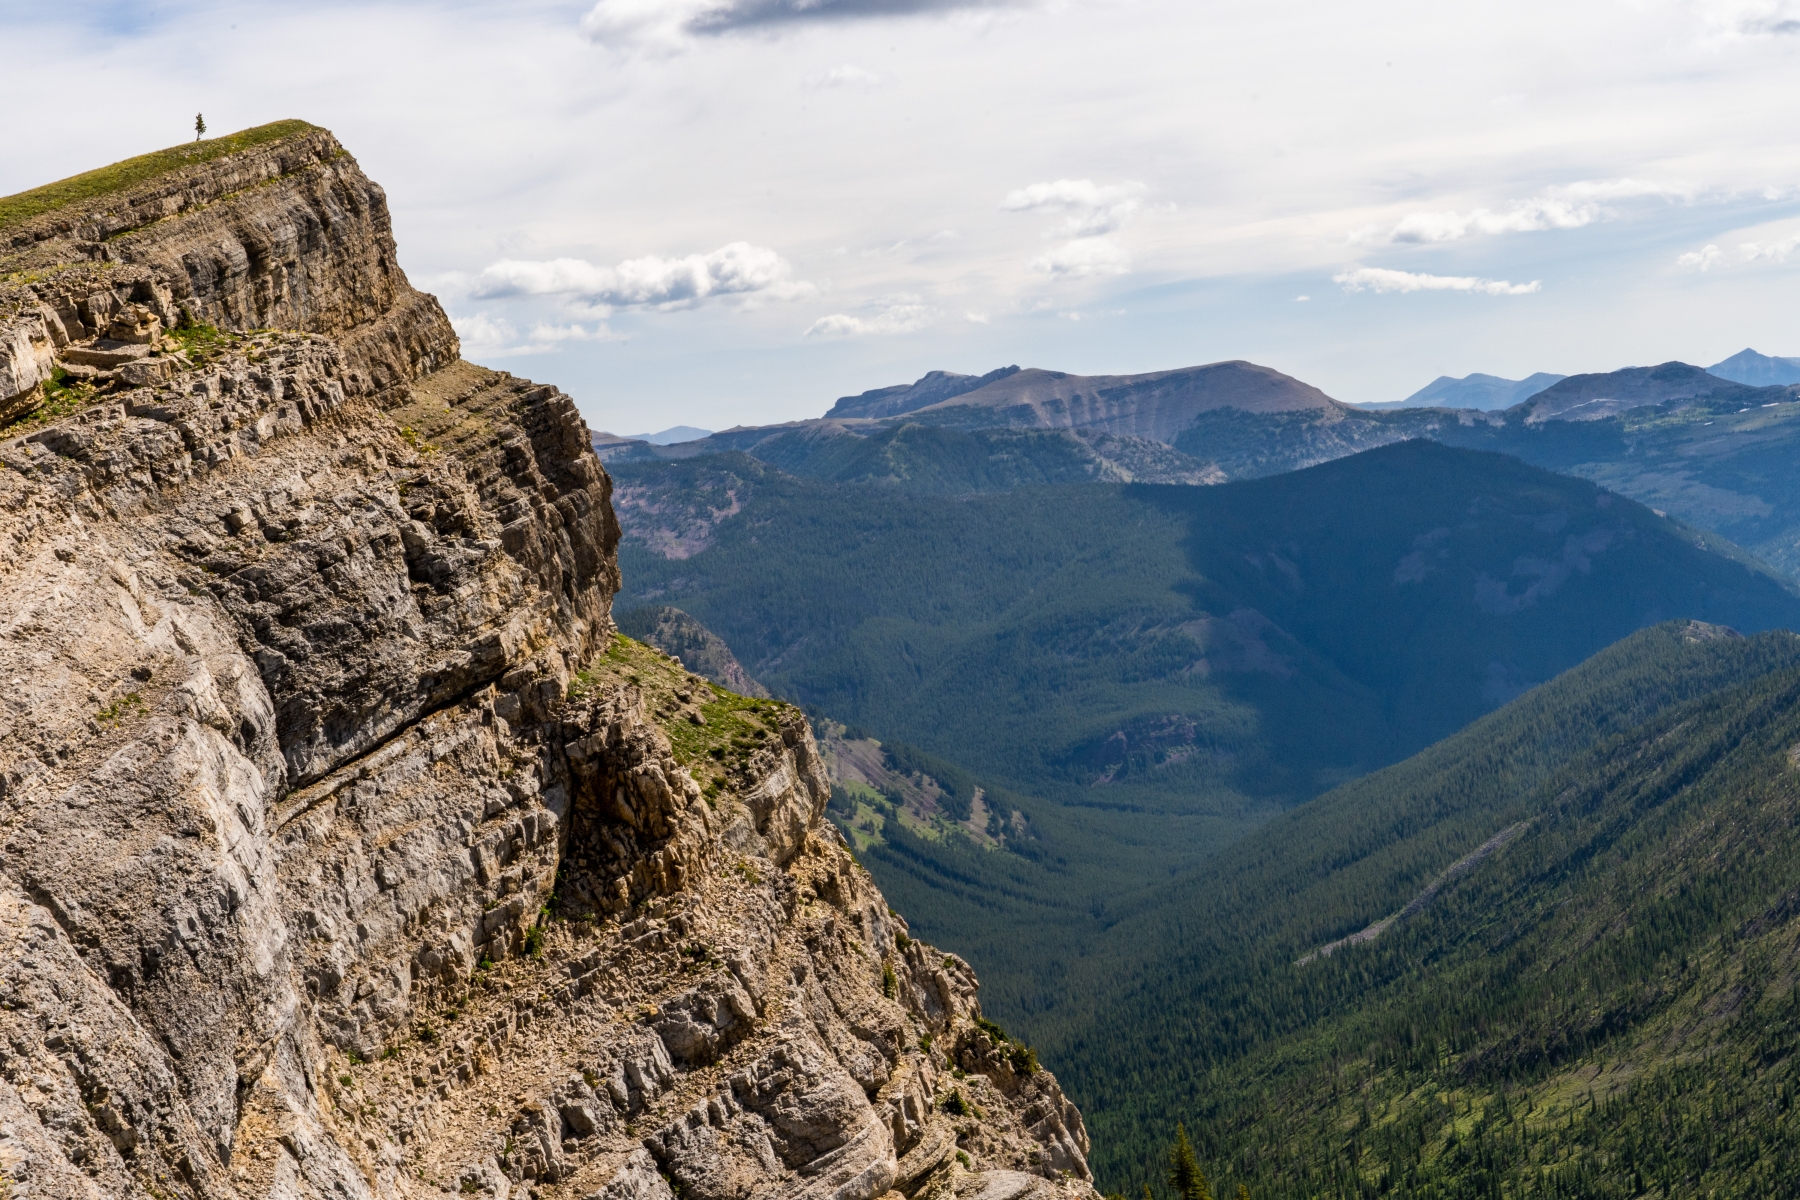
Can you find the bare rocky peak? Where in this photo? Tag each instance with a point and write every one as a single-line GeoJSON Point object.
{"type": "Point", "coordinates": [931, 388]}
{"type": "Point", "coordinates": [1157, 405]}
{"type": "Point", "coordinates": [345, 848]}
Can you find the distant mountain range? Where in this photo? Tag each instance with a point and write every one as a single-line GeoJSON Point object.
{"type": "Point", "coordinates": [1483, 392]}
{"type": "Point", "coordinates": [1714, 452]}
{"type": "Point", "coordinates": [1757, 370]}
{"type": "Point", "coordinates": [667, 437]}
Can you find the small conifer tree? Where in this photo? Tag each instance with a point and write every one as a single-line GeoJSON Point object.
{"type": "Point", "coordinates": [199, 126]}
{"type": "Point", "coordinates": [1243, 1192]}
{"type": "Point", "coordinates": [1185, 1175]}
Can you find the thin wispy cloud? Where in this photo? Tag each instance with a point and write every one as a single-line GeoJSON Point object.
{"type": "Point", "coordinates": [1710, 256]}
{"type": "Point", "coordinates": [736, 269]}
{"type": "Point", "coordinates": [894, 319]}
{"type": "Point", "coordinates": [846, 75]}
{"type": "Point", "coordinates": [1091, 212]}
{"type": "Point", "coordinates": [1567, 207]}
{"type": "Point", "coordinates": [485, 335]}
{"type": "Point", "coordinates": [670, 23]}
{"type": "Point", "coordinates": [1381, 279]}
{"type": "Point", "coordinates": [1085, 257]}
{"type": "Point", "coordinates": [1732, 19]}
{"type": "Point", "coordinates": [1092, 209]}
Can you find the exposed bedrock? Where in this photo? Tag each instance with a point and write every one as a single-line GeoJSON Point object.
{"type": "Point", "coordinates": [345, 850]}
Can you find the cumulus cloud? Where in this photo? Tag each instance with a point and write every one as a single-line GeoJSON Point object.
{"type": "Point", "coordinates": [1381, 279]}
{"type": "Point", "coordinates": [1777, 251]}
{"type": "Point", "coordinates": [670, 23]}
{"type": "Point", "coordinates": [1710, 256]}
{"type": "Point", "coordinates": [1084, 257]}
{"type": "Point", "coordinates": [847, 75]}
{"type": "Point", "coordinates": [1702, 259]}
{"type": "Point", "coordinates": [735, 269]}
{"type": "Point", "coordinates": [1570, 206]}
{"type": "Point", "coordinates": [1093, 209]}
{"type": "Point", "coordinates": [488, 336]}
{"type": "Point", "coordinates": [895, 318]}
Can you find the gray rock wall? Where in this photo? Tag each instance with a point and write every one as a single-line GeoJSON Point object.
{"type": "Point", "coordinates": [346, 851]}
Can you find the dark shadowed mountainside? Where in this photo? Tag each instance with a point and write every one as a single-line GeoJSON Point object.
{"type": "Point", "coordinates": [1142, 673]}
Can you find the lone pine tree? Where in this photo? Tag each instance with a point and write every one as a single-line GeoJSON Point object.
{"type": "Point", "coordinates": [1185, 1175]}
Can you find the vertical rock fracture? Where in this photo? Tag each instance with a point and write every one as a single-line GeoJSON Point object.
{"type": "Point", "coordinates": [346, 849]}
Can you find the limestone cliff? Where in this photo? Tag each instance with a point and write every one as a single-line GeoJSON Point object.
{"type": "Point", "coordinates": [345, 848]}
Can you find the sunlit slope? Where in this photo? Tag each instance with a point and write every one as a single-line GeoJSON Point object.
{"type": "Point", "coordinates": [1629, 941]}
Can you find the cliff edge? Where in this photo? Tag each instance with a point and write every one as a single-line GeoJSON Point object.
{"type": "Point", "coordinates": [346, 849]}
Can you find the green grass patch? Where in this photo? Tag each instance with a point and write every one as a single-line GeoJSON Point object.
{"type": "Point", "coordinates": [121, 175]}
{"type": "Point", "coordinates": [201, 343]}
{"type": "Point", "coordinates": [735, 727]}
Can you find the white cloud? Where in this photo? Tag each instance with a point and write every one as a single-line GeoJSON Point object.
{"type": "Point", "coordinates": [1569, 206]}
{"type": "Point", "coordinates": [1735, 19]}
{"type": "Point", "coordinates": [848, 75]}
{"type": "Point", "coordinates": [669, 24]}
{"type": "Point", "coordinates": [1084, 257]}
{"type": "Point", "coordinates": [896, 318]}
{"type": "Point", "coordinates": [1776, 251]}
{"type": "Point", "coordinates": [569, 333]}
{"type": "Point", "coordinates": [1702, 259]}
{"type": "Point", "coordinates": [1710, 256]}
{"type": "Point", "coordinates": [1094, 209]}
{"type": "Point", "coordinates": [1301, 299]}
{"type": "Point", "coordinates": [735, 269]}
{"type": "Point", "coordinates": [488, 336]}
{"type": "Point", "coordinates": [1381, 279]}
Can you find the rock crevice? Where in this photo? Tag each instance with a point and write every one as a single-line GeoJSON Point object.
{"type": "Point", "coordinates": [346, 849]}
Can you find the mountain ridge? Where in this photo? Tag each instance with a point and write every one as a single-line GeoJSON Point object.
{"type": "Point", "coordinates": [349, 850]}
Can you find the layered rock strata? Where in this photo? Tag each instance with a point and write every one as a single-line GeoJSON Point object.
{"type": "Point", "coordinates": [345, 848]}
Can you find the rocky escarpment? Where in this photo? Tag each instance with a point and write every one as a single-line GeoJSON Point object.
{"type": "Point", "coordinates": [285, 234]}
{"type": "Point", "coordinates": [346, 849]}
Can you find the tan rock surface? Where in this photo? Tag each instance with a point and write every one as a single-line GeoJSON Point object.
{"type": "Point", "coordinates": [345, 850]}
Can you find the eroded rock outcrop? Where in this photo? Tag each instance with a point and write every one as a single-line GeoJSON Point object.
{"type": "Point", "coordinates": [345, 848]}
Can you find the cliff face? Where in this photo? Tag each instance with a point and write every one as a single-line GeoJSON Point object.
{"type": "Point", "coordinates": [345, 849]}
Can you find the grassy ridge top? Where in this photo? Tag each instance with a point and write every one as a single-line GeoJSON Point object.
{"type": "Point", "coordinates": [25, 205]}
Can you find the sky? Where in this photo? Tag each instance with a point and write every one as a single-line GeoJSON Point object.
{"type": "Point", "coordinates": [724, 212]}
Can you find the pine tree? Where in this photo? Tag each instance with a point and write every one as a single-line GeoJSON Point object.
{"type": "Point", "coordinates": [1243, 1193]}
{"type": "Point", "coordinates": [199, 126]}
{"type": "Point", "coordinates": [1185, 1175]}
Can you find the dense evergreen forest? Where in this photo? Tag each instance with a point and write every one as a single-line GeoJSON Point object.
{"type": "Point", "coordinates": [1147, 673]}
{"type": "Point", "coordinates": [1598, 950]}
{"type": "Point", "coordinates": [1580, 975]}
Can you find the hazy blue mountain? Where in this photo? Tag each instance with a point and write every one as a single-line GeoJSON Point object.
{"type": "Point", "coordinates": [1758, 370]}
{"type": "Point", "coordinates": [669, 436]}
{"type": "Point", "coordinates": [1484, 392]}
